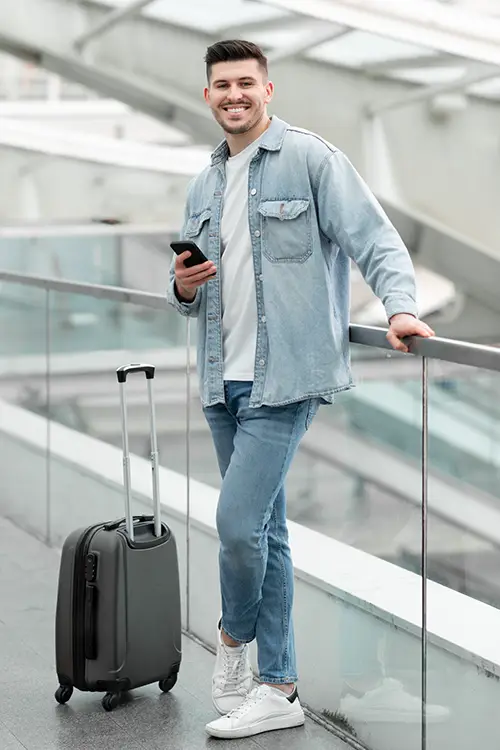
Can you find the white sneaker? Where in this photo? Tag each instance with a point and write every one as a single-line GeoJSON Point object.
{"type": "Point", "coordinates": [264, 709]}
{"type": "Point", "coordinates": [389, 702]}
{"type": "Point", "coordinates": [232, 678]}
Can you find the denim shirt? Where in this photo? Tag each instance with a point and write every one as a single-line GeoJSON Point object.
{"type": "Point", "coordinates": [309, 215]}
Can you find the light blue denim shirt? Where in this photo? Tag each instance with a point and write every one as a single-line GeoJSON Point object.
{"type": "Point", "coordinates": [309, 214]}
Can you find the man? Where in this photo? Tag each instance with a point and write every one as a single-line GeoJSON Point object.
{"type": "Point", "coordinates": [279, 214]}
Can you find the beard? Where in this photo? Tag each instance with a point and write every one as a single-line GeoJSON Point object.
{"type": "Point", "coordinates": [239, 128]}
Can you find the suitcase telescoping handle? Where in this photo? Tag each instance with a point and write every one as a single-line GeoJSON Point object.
{"type": "Point", "coordinates": [121, 374]}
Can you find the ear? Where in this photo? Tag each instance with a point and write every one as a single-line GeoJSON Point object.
{"type": "Point", "coordinates": [269, 91]}
{"type": "Point", "coordinates": [206, 94]}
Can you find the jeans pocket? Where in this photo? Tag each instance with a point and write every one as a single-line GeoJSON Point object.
{"type": "Point", "coordinates": [312, 410]}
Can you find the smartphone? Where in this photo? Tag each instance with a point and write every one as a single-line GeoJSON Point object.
{"type": "Point", "coordinates": [196, 256]}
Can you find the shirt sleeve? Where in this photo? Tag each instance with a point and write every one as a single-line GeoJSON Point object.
{"type": "Point", "coordinates": [188, 309]}
{"type": "Point", "coordinates": [351, 217]}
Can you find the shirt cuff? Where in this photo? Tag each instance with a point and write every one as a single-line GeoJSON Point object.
{"type": "Point", "coordinates": [184, 308]}
{"type": "Point", "coordinates": [399, 305]}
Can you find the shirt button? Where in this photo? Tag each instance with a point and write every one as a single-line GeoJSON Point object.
{"type": "Point", "coordinates": [253, 191]}
{"type": "Point", "coordinates": [257, 233]}
{"type": "Point", "coordinates": [261, 277]}
{"type": "Point", "coordinates": [262, 362]}
{"type": "Point", "coordinates": [263, 319]}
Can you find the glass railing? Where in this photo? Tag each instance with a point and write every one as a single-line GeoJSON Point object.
{"type": "Point", "coordinates": [102, 253]}
{"type": "Point", "coordinates": [389, 413]}
{"type": "Point", "coordinates": [119, 256]}
{"type": "Point", "coordinates": [95, 259]}
{"type": "Point", "coordinates": [81, 323]}
{"type": "Point", "coordinates": [418, 542]}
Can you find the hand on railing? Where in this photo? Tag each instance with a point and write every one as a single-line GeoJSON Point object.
{"type": "Point", "coordinates": [403, 325]}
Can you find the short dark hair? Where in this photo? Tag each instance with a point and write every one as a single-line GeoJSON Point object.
{"type": "Point", "coordinates": [231, 50]}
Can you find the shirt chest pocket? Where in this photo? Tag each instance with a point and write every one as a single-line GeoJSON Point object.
{"type": "Point", "coordinates": [286, 230]}
{"type": "Point", "coordinates": [197, 225]}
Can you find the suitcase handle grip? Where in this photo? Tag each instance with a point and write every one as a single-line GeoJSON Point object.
{"type": "Point", "coordinates": [116, 524]}
{"type": "Point", "coordinates": [123, 371]}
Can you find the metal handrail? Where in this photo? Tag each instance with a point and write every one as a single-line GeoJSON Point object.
{"type": "Point", "coordinates": [449, 350]}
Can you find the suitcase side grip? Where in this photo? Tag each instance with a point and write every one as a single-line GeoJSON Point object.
{"type": "Point", "coordinates": [90, 622]}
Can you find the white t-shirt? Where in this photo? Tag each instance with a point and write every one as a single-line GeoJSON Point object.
{"type": "Point", "coordinates": [239, 302]}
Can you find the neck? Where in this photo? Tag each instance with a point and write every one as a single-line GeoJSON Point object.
{"type": "Point", "coordinates": [239, 142]}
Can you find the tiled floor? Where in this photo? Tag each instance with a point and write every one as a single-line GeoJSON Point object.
{"type": "Point", "coordinates": [29, 716]}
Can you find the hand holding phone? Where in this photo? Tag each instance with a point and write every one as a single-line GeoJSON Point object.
{"type": "Point", "coordinates": [192, 268]}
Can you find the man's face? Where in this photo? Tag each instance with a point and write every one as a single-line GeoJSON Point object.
{"type": "Point", "coordinates": [238, 95]}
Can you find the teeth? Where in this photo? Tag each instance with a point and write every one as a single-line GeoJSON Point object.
{"type": "Point", "coordinates": [236, 110]}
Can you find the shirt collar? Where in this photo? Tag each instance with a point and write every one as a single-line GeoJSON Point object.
{"type": "Point", "coordinates": [271, 140]}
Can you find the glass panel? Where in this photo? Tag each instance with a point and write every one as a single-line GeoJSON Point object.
{"type": "Point", "coordinates": [466, 421]}
{"type": "Point", "coordinates": [388, 411]}
{"type": "Point", "coordinates": [136, 261]}
{"type": "Point", "coordinates": [205, 482]}
{"type": "Point", "coordinates": [23, 385]}
{"type": "Point", "coordinates": [463, 557]}
{"type": "Point", "coordinates": [93, 259]}
{"type": "Point", "coordinates": [356, 486]}
{"type": "Point", "coordinates": [81, 323]}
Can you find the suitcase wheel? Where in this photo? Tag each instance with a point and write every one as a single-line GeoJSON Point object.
{"type": "Point", "coordinates": [167, 685]}
{"type": "Point", "coordinates": [63, 694]}
{"type": "Point", "coordinates": [110, 701]}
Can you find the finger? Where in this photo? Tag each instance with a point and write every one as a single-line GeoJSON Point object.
{"type": "Point", "coordinates": [396, 343]}
{"type": "Point", "coordinates": [179, 260]}
{"type": "Point", "coordinates": [190, 275]}
{"type": "Point", "coordinates": [424, 330]}
{"type": "Point", "coordinates": [196, 280]}
{"type": "Point", "coordinates": [192, 271]}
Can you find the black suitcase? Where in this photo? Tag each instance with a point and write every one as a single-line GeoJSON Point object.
{"type": "Point", "coordinates": [118, 614]}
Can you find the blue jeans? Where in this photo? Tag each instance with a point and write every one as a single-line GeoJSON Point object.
{"type": "Point", "coordinates": [255, 447]}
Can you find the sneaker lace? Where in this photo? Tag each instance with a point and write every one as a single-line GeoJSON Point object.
{"type": "Point", "coordinates": [252, 698]}
{"type": "Point", "coordinates": [234, 665]}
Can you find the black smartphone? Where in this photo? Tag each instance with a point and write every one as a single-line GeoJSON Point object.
{"type": "Point", "coordinates": [196, 256]}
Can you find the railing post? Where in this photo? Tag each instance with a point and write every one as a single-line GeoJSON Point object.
{"type": "Point", "coordinates": [48, 532]}
{"type": "Point", "coordinates": [188, 469]}
{"type": "Point", "coordinates": [425, 487]}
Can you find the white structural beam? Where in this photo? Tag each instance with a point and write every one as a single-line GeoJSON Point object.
{"type": "Point", "coordinates": [441, 60]}
{"type": "Point", "coordinates": [472, 267]}
{"type": "Point", "coordinates": [113, 19]}
{"type": "Point", "coordinates": [100, 116]}
{"type": "Point", "coordinates": [282, 23]}
{"type": "Point", "coordinates": [305, 43]}
{"type": "Point", "coordinates": [477, 74]}
{"type": "Point", "coordinates": [166, 102]}
{"type": "Point", "coordinates": [458, 31]}
{"type": "Point", "coordinates": [101, 150]}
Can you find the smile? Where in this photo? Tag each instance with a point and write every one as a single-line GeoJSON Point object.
{"type": "Point", "coordinates": [235, 110]}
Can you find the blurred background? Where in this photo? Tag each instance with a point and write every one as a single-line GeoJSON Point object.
{"type": "Point", "coordinates": [103, 125]}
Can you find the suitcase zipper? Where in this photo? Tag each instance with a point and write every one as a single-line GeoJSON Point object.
{"type": "Point", "coordinates": [79, 606]}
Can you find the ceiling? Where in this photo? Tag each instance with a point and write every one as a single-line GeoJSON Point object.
{"type": "Point", "coordinates": [272, 24]}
